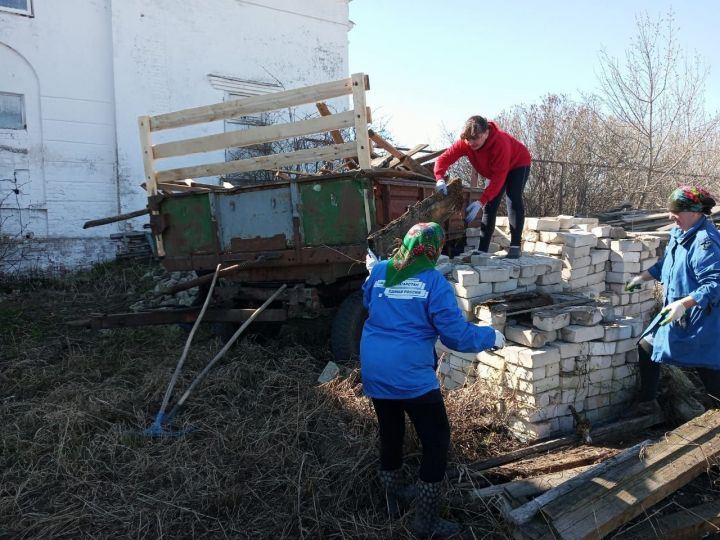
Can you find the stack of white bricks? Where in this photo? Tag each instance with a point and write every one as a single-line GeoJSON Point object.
{"type": "Point", "coordinates": [584, 356]}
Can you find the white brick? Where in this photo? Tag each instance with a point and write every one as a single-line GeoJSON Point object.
{"type": "Point", "coordinates": [603, 243]}
{"type": "Point", "coordinates": [617, 332]}
{"type": "Point", "coordinates": [622, 372]}
{"type": "Point", "coordinates": [525, 336]}
{"type": "Point", "coordinates": [472, 291]}
{"type": "Point", "coordinates": [585, 315]}
{"type": "Point", "coordinates": [626, 245]}
{"type": "Point", "coordinates": [567, 365]}
{"type": "Point", "coordinates": [598, 256]}
{"type": "Point", "coordinates": [505, 286]}
{"type": "Point", "coordinates": [465, 276]}
{"type": "Point", "coordinates": [492, 274]}
{"type": "Point", "coordinates": [625, 256]}
{"type": "Point", "coordinates": [551, 320]}
{"type": "Point", "coordinates": [571, 350]}
{"type": "Point", "coordinates": [551, 278]}
{"type": "Point", "coordinates": [579, 239]}
{"type": "Point", "coordinates": [599, 362]}
{"type": "Point", "coordinates": [542, 224]}
{"type": "Point", "coordinates": [530, 358]}
{"type": "Point", "coordinates": [576, 333]}
{"type": "Point", "coordinates": [576, 262]}
{"type": "Point", "coordinates": [542, 385]}
{"type": "Point", "coordinates": [601, 231]}
{"type": "Point", "coordinates": [573, 274]}
{"type": "Point", "coordinates": [622, 267]}
{"type": "Point", "coordinates": [601, 347]}
{"type": "Point", "coordinates": [625, 345]}
{"type": "Point", "coordinates": [576, 252]}
{"type": "Point", "coordinates": [600, 375]}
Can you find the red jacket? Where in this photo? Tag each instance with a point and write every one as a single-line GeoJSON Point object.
{"type": "Point", "coordinates": [500, 154]}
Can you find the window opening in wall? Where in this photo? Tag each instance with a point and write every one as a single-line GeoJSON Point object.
{"type": "Point", "coordinates": [12, 111]}
{"type": "Point", "coordinates": [21, 7]}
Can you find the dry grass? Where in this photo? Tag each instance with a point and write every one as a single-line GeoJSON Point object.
{"type": "Point", "coordinates": [272, 455]}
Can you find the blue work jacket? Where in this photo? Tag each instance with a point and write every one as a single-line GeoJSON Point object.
{"type": "Point", "coordinates": [397, 349]}
{"type": "Point", "coordinates": [690, 267]}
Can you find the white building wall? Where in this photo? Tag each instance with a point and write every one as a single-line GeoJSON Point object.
{"type": "Point", "coordinates": [164, 56]}
{"type": "Point", "coordinates": [89, 68]}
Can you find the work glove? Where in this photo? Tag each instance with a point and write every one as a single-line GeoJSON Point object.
{"type": "Point", "coordinates": [441, 187]}
{"type": "Point", "coordinates": [499, 340]}
{"type": "Point", "coordinates": [471, 211]}
{"type": "Point", "coordinates": [634, 284]}
{"type": "Point", "coordinates": [673, 312]}
{"type": "Point", "coordinates": [370, 260]}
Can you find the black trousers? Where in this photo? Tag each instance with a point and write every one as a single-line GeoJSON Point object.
{"type": "Point", "coordinates": [513, 190]}
{"type": "Point", "coordinates": [650, 375]}
{"type": "Point", "coordinates": [428, 416]}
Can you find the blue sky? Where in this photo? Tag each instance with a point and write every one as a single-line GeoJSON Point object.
{"type": "Point", "coordinates": [434, 63]}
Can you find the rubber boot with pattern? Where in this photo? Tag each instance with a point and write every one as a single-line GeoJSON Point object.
{"type": "Point", "coordinates": [397, 491]}
{"type": "Point", "coordinates": [426, 522]}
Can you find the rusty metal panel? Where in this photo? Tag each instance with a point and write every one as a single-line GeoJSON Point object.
{"type": "Point", "coordinates": [190, 225]}
{"type": "Point", "coordinates": [333, 211]}
{"type": "Point", "coordinates": [257, 216]}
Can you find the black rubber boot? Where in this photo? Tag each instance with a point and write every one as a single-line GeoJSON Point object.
{"type": "Point", "coordinates": [397, 491]}
{"type": "Point", "coordinates": [513, 252]}
{"type": "Point", "coordinates": [426, 522]}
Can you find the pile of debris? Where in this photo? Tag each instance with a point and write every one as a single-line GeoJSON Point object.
{"type": "Point", "coordinates": [571, 327]}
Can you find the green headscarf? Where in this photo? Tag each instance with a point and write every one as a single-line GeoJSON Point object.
{"type": "Point", "coordinates": [419, 251]}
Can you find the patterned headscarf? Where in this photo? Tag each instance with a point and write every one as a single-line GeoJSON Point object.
{"type": "Point", "coordinates": [691, 199]}
{"type": "Point", "coordinates": [419, 251]}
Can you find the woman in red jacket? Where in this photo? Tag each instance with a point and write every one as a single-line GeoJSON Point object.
{"type": "Point", "coordinates": [505, 162]}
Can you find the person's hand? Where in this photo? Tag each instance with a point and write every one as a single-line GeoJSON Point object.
{"type": "Point", "coordinates": [441, 186]}
{"type": "Point", "coordinates": [370, 260]}
{"type": "Point", "coordinates": [673, 311]}
{"type": "Point", "coordinates": [634, 284]}
{"type": "Point", "coordinates": [499, 340]}
{"type": "Point", "coordinates": [471, 211]}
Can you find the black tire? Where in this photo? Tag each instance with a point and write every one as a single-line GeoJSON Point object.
{"type": "Point", "coordinates": [347, 329]}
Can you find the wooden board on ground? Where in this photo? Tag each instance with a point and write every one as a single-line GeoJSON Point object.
{"type": "Point", "coordinates": [437, 208]}
{"type": "Point", "coordinates": [687, 524]}
{"type": "Point", "coordinates": [612, 496]}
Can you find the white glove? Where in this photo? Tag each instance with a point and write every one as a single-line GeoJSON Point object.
{"type": "Point", "coordinates": [673, 311]}
{"type": "Point", "coordinates": [441, 187]}
{"type": "Point", "coordinates": [370, 260]}
{"type": "Point", "coordinates": [472, 211]}
{"type": "Point", "coordinates": [634, 284]}
{"type": "Point", "coordinates": [499, 340]}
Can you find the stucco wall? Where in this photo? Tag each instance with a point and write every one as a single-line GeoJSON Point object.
{"type": "Point", "coordinates": [89, 68]}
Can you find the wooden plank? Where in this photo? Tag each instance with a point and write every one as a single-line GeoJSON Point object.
{"type": "Point", "coordinates": [113, 219]}
{"type": "Point", "coordinates": [422, 160]}
{"type": "Point", "coordinates": [414, 150]}
{"type": "Point", "coordinates": [529, 487]}
{"type": "Point", "coordinates": [359, 83]}
{"type": "Point", "coordinates": [409, 162]}
{"type": "Point", "coordinates": [151, 183]}
{"type": "Point", "coordinates": [669, 464]}
{"type": "Point", "coordinates": [335, 134]}
{"type": "Point", "coordinates": [253, 136]}
{"type": "Point", "coordinates": [632, 425]}
{"type": "Point", "coordinates": [687, 524]}
{"type": "Point", "coordinates": [526, 512]}
{"type": "Point", "coordinates": [670, 446]}
{"type": "Point", "coordinates": [252, 105]}
{"type": "Point", "coordinates": [324, 153]}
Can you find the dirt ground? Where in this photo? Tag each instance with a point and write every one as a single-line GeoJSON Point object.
{"type": "Point", "coordinates": [267, 452]}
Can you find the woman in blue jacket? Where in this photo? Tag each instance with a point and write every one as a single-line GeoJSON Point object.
{"type": "Point", "coordinates": [410, 304]}
{"type": "Point", "coordinates": [685, 332]}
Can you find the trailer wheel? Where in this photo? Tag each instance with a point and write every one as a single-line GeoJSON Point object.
{"type": "Point", "coordinates": [347, 328]}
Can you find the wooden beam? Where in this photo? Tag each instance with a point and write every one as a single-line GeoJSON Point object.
{"type": "Point", "coordinates": [525, 513]}
{"type": "Point", "coordinates": [687, 524]}
{"type": "Point", "coordinates": [414, 150]}
{"type": "Point", "coordinates": [529, 487]}
{"type": "Point", "coordinates": [275, 161]}
{"type": "Point", "coordinates": [151, 183]}
{"type": "Point", "coordinates": [594, 510]}
{"type": "Point", "coordinates": [252, 105]}
{"type": "Point", "coordinates": [359, 84]}
{"type": "Point", "coordinates": [253, 136]}
{"type": "Point", "coordinates": [409, 162]}
{"type": "Point", "coordinates": [113, 219]}
{"type": "Point", "coordinates": [632, 425]}
{"type": "Point", "coordinates": [335, 134]}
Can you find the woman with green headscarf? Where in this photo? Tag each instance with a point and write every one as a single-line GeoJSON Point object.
{"type": "Point", "coordinates": [410, 305]}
